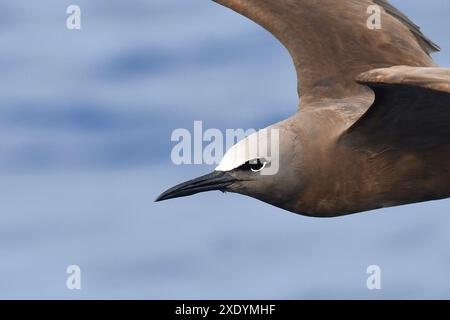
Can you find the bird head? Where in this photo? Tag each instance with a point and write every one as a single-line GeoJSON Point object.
{"type": "Point", "coordinates": [256, 166]}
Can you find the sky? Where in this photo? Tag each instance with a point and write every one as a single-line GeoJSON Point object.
{"type": "Point", "coordinates": [86, 118]}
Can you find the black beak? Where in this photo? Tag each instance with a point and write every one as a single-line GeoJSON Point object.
{"type": "Point", "coordinates": [216, 180]}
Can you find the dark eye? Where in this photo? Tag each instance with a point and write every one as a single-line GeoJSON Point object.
{"type": "Point", "coordinates": [254, 165]}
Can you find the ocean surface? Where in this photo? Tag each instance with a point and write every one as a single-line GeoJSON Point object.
{"type": "Point", "coordinates": [86, 118]}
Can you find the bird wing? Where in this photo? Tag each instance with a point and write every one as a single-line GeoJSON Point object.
{"type": "Point", "coordinates": [411, 109]}
{"type": "Point", "coordinates": [424, 42]}
{"type": "Point", "coordinates": [331, 43]}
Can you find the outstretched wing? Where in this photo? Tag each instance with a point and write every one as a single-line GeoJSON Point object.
{"type": "Point", "coordinates": [330, 41]}
{"type": "Point", "coordinates": [411, 110]}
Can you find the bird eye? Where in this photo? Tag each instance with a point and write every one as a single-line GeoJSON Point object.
{"type": "Point", "coordinates": [257, 165]}
{"type": "Point", "coordinates": [254, 165]}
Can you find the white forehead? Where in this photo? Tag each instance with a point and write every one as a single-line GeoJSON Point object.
{"type": "Point", "coordinates": [255, 146]}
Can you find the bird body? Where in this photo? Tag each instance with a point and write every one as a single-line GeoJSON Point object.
{"type": "Point", "coordinates": [373, 125]}
{"type": "Point", "coordinates": [339, 178]}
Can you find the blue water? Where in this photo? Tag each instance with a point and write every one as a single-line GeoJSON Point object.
{"type": "Point", "coordinates": [85, 124]}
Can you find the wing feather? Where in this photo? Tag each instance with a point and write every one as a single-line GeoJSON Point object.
{"type": "Point", "coordinates": [411, 110]}
{"type": "Point", "coordinates": [331, 44]}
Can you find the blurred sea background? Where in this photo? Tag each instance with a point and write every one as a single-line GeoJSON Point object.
{"type": "Point", "coordinates": [85, 123]}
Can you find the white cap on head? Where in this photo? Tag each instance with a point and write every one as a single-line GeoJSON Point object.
{"type": "Point", "coordinates": [259, 145]}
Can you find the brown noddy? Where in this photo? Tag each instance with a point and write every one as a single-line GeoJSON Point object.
{"type": "Point", "coordinates": [373, 125]}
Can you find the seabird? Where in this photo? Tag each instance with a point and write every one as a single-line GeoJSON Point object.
{"type": "Point", "coordinates": [373, 125]}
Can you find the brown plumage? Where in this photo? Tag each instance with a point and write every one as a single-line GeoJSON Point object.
{"type": "Point", "coordinates": [373, 126]}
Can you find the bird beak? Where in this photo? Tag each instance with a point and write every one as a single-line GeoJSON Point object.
{"type": "Point", "coordinates": [217, 180]}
